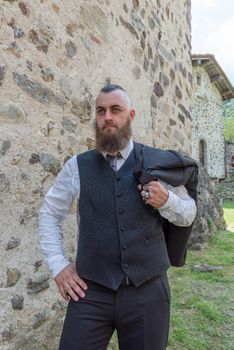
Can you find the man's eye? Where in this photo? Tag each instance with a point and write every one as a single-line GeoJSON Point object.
{"type": "Point", "coordinates": [115, 109]}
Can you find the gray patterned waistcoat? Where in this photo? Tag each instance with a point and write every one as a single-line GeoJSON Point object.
{"type": "Point", "coordinates": [118, 234]}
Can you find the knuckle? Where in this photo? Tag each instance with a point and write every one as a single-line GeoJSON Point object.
{"type": "Point", "coordinates": [74, 285]}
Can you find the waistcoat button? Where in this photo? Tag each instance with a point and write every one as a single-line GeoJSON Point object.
{"type": "Point", "coordinates": [119, 194]}
{"type": "Point", "coordinates": [124, 247]}
{"type": "Point", "coordinates": [120, 211]}
{"type": "Point", "coordinates": [125, 266]}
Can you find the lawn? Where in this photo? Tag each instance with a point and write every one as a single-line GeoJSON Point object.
{"type": "Point", "coordinates": [202, 312]}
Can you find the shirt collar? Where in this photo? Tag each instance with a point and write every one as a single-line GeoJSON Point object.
{"type": "Point", "coordinates": [124, 152]}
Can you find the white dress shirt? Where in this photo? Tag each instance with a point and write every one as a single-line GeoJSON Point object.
{"type": "Point", "coordinates": [180, 209]}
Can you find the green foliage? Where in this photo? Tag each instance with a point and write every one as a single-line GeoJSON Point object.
{"type": "Point", "coordinates": [229, 120]}
{"type": "Point", "coordinates": [229, 129]}
{"type": "Point", "coordinates": [229, 109]}
{"type": "Point", "coordinates": [229, 205]}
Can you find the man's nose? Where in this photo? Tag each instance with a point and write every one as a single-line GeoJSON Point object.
{"type": "Point", "coordinates": [108, 115]}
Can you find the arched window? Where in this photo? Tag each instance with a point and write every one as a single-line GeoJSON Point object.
{"type": "Point", "coordinates": [198, 79]}
{"type": "Point", "coordinates": [202, 152]}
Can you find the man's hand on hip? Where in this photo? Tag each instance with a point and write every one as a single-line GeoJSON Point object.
{"type": "Point", "coordinates": [70, 284]}
{"type": "Point", "coordinates": [154, 194]}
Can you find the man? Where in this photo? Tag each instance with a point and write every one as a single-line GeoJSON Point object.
{"type": "Point", "coordinates": [119, 280]}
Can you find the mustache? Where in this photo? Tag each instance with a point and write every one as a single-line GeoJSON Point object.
{"type": "Point", "coordinates": [106, 125]}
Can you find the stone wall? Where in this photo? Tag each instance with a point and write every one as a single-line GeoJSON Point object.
{"type": "Point", "coordinates": [208, 123]}
{"type": "Point", "coordinates": [225, 189]}
{"type": "Point", "coordinates": [209, 217]}
{"type": "Point", "coordinates": [54, 57]}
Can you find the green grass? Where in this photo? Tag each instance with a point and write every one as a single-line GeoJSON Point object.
{"type": "Point", "coordinates": [202, 311]}
{"type": "Point", "coordinates": [229, 129]}
{"type": "Point", "coordinates": [229, 214]}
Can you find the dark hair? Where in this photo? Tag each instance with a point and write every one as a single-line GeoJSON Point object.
{"type": "Point", "coordinates": [111, 87]}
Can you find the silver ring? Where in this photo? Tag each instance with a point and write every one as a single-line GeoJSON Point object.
{"type": "Point", "coordinates": [146, 195]}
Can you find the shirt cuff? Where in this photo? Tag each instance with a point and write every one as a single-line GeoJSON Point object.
{"type": "Point", "coordinates": [170, 201]}
{"type": "Point", "coordinates": [59, 267]}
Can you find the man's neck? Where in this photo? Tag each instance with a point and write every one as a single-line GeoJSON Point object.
{"type": "Point", "coordinates": [124, 152]}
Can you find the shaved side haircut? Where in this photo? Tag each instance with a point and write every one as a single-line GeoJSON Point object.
{"type": "Point", "coordinates": [112, 87]}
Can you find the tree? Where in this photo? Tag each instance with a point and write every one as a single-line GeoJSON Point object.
{"type": "Point", "coordinates": [229, 120]}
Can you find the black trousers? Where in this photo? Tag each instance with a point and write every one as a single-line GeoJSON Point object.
{"type": "Point", "coordinates": [139, 315]}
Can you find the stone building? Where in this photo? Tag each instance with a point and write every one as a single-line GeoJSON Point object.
{"type": "Point", "coordinates": [54, 57]}
{"type": "Point", "coordinates": [210, 88]}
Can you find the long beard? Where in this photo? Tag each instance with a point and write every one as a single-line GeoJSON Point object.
{"type": "Point", "coordinates": [113, 142]}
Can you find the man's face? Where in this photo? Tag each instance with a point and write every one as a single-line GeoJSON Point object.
{"type": "Point", "coordinates": [112, 111]}
{"type": "Point", "coordinates": [113, 121]}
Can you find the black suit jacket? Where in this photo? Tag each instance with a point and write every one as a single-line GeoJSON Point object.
{"type": "Point", "coordinates": [169, 166]}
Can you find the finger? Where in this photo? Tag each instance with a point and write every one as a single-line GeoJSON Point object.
{"type": "Point", "coordinates": [81, 282]}
{"type": "Point", "coordinates": [139, 187]}
{"type": "Point", "coordinates": [154, 182]}
{"type": "Point", "coordinates": [155, 188]}
{"type": "Point", "coordinates": [77, 289]}
{"type": "Point", "coordinates": [64, 293]}
{"type": "Point", "coordinates": [71, 294]}
{"type": "Point", "coordinates": [76, 285]}
{"type": "Point", "coordinates": [145, 194]}
{"type": "Point", "coordinates": [73, 276]}
{"type": "Point", "coordinates": [146, 187]}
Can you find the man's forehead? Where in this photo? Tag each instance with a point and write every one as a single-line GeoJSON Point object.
{"type": "Point", "coordinates": [116, 97]}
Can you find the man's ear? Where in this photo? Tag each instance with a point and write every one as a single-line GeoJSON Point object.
{"type": "Point", "coordinates": [132, 114]}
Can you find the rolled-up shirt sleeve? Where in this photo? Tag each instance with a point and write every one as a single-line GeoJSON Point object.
{"type": "Point", "coordinates": [54, 210]}
{"type": "Point", "coordinates": [180, 209]}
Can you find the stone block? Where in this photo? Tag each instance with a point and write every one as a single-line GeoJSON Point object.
{"type": "Point", "coordinates": [13, 276]}
{"type": "Point", "coordinates": [136, 20]}
{"type": "Point", "coordinates": [71, 48]}
{"type": "Point", "coordinates": [81, 109]}
{"type": "Point", "coordinates": [13, 243]}
{"type": "Point", "coordinates": [18, 33]}
{"type": "Point", "coordinates": [17, 302]}
{"type": "Point", "coordinates": [178, 92]}
{"type": "Point", "coordinates": [129, 27]}
{"type": "Point", "coordinates": [95, 19]}
{"type": "Point", "coordinates": [145, 64]}
{"type": "Point", "coordinates": [50, 163]}
{"type": "Point", "coordinates": [136, 71]}
{"type": "Point", "coordinates": [158, 89]}
{"type": "Point", "coordinates": [10, 113]}
{"type": "Point", "coordinates": [181, 118]}
{"type": "Point", "coordinates": [8, 333]}
{"type": "Point", "coordinates": [37, 91]}
{"type": "Point", "coordinates": [39, 318]}
{"type": "Point", "coordinates": [37, 284]}
{"type": "Point", "coordinates": [4, 183]}
{"type": "Point", "coordinates": [40, 40]}
{"type": "Point", "coordinates": [69, 125]}
{"type": "Point", "coordinates": [24, 8]}
{"type": "Point", "coordinates": [47, 74]}
{"type": "Point", "coordinates": [6, 145]}
{"type": "Point", "coordinates": [35, 158]}
{"type": "Point", "coordinates": [2, 73]}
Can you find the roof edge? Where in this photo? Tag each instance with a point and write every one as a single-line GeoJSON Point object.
{"type": "Point", "coordinates": [211, 57]}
